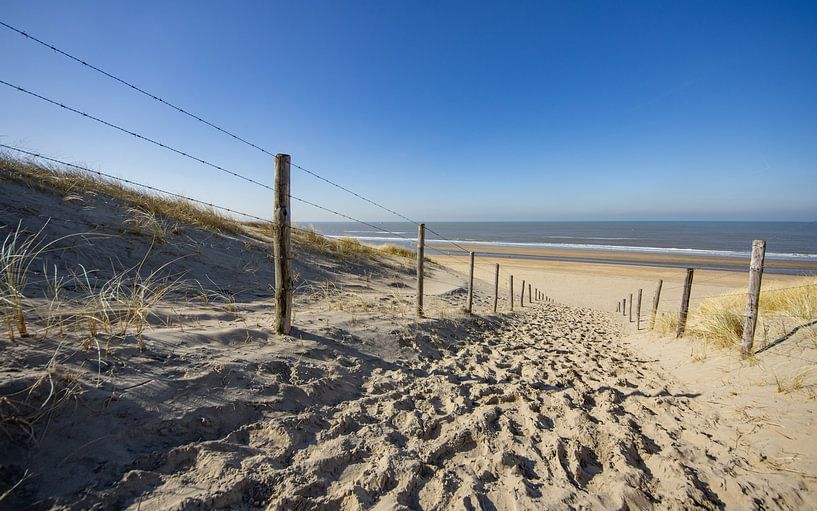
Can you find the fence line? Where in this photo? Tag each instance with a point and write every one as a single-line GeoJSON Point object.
{"type": "Point", "coordinates": [282, 193]}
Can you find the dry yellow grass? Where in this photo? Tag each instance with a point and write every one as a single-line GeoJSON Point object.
{"type": "Point", "coordinates": [69, 182]}
{"type": "Point", "coordinates": [344, 249]}
{"type": "Point", "coordinates": [720, 319]}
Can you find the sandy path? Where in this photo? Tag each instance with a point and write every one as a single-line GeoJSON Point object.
{"type": "Point", "coordinates": [545, 409]}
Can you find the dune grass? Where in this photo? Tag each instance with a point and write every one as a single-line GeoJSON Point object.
{"type": "Point", "coordinates": [720, 319]}
{"type": "Point", "coordinates": [151, 207]}
{"type": "Point", "coordinates": [345, 248]}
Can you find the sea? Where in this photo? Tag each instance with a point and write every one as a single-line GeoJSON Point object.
{"type": "Point", "coordinates": [785, 241]}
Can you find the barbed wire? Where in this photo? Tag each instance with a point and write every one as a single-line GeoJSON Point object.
{"type": "Point", "coordinates": [194, 116]}
{"type": "Point", "coordinates": [130, 182]}
{"type": "Point", "coordinates": [135, 134]}
{"type": "Point", "coordinates": [134, 87]}
{"type": "Point", "coordinates": [188, 155]}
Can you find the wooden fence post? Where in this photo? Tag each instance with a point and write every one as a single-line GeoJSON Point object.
{"type": "Point", "coordinates": [281, 246]}
{"type": "Point", "coordinates": [682, 315]}
{"type": "Point", "coordinates": [638, 311]}
{"type": "Point", "coordinates": [753, 301]}
{"type": "Point", "coordinates": [471, 283]}
{"type": "Point", "coordinates": [631, 307]}
{"type": "Point", "coordinates": [618, 306]}
{"type": "Point", "coordinates": [522, 295]}
{"type": "Point", "coordinates": [496, 287]}
{"type": "Point", "coordinates": [655, 300]}
{"type": "Point", "coordinates": [421, 246]}
{"type": "Point", "coordinates": [510, 290]}
{"type": "Point", "coordinates": [530, 296]}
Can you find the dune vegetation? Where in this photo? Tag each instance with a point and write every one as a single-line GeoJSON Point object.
{"type": "Point", "coordinates": [720, 319]}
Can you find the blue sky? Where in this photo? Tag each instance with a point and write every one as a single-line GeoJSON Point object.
{"type": "Point", "coordinates": [440, 110]}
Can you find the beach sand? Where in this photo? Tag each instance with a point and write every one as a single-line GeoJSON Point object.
{"type": "Point", "coordinates": [559, 405]}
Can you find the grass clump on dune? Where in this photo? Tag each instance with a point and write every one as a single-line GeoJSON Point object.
{"type": "Point", "coordinates": [720, 319]}
{"type": "Point", "coordinates": [345, 248]}
{"type": "Point", "coordinates": [72, 183]}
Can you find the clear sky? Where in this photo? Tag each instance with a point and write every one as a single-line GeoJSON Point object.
{"type": "Point", "coordinates": [441, 110]}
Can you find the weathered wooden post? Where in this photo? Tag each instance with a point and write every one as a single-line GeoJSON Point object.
{"type": "Point", "coordinates": [655, 299]}
{"type": "Point", "coordinates": [638, 311]}
{"type": "Point", "coordinates": [522, 295]}
{"type": "Point", "coordinates": [530, 296]}
{"type": "Point", "coordinates": [496, 287]}
{"type": "Point", "coordinates": [281, 246]}
{"type": "Point", "coordinates": [631, 307]}
{"type": "Point", "coordinates": [753, 301]}
{"type": "Point", "coordinates": [510, 291]}
{"type": "Point", "coordinates": [471, 283]}
{"type": "Point", "coordinates": [421, 246]}
{"type": "Point", "coordinates": [618, 306]}
{"type": "Point", "coordinates": [624, 306]}
{"type": "Point", "coordinates": [682, 316]}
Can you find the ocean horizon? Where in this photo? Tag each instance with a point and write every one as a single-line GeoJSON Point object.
{"type": "Point", "coordinates": [792, 241]}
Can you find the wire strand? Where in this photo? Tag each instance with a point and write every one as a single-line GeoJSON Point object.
{"type": "Point", "coordinates": [134, 87]}
{"type": "Point", "coordinates": [135, 134]}
{"type": "Point", "coordinates": [193, 116]}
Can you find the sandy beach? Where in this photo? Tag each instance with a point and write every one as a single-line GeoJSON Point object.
{"type": "Point", "coordinates": [560, 405]}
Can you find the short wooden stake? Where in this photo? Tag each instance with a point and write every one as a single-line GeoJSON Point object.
{"type": "Point", "coordinates": [496, 287]}
{"type": "Point", "coordinates": [623, 306]}
{"type": "Point", "coordinates": [682, 315]}
{"type": "Point", "coordinates": [618, 306]}
{"type": "Point", "coordinates": [753, 300]}
{"type": "Point", "coordinates": [655, 299]}
{"type": "Point", "coordinates": [638, 311]}
{"type": "Point", "coordinates": [281, 246]}
{"type": "Point", "coordinates": [510, 291]}
{"type": "Point", "coordinates": [522, 295]}
{"type": "Point", "coordinates": [421, 247]}
{"type": "Point", "coordinates": [471, 283]}
{"type": "Point", "coordinates": [530, 299]}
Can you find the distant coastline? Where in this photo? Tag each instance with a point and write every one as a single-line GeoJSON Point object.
{"type": "Point", "coordinates": [792, 246]}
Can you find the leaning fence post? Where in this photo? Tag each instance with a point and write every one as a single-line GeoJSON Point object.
{"type": "Point", "coordinates": [655, 300]}
{"type": "Point", "coordinates": [496, 287]}
{"type": "Point", "coordinates": [682, 316]}
{"type": "Point", "coordinates": [471, 283]}
{"type": "Point", "coordinates": [638, 311]}
{"type": "Point", "coordinates": [421, 246]}
{"type": "Point", "coordinates": [522, 295]}
{"type": "Point", "coordinates": [510, 290]}
{"type": "Point", "coordinates": [753, 301]}
{"type": "Point", "coordinates": [281, 246]}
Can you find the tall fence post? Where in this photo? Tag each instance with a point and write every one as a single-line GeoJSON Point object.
{"type": "Point", "coordinates": [638, 311]}
{"type": "Point", "coordinates": [522, 295]}
{"type": "Point", "coordinates": [631, 308]}
{"type": "Point", "coordinates": [281, 246]}
{"type": "Point", "coordinates": [496, 287]}
{"type": "Point", "coordinates": [753, 300]}
{"type": "Point", "coordinates": [655, 299]}
{"type": "Point", "coordinates": [471, 283]}
{"type": "Point", "coordinates": [510, 290]}
{"type": "Point", "coordinates": [682, 315]}
{"type": "Point", "coordinates": [421, 247]}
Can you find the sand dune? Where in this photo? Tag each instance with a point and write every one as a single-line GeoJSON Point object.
{"type": "Point", "coordinates": [555, 406]}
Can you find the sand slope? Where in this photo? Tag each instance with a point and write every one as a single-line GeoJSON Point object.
{"type": "Point", "coordinates": [546, 409]}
